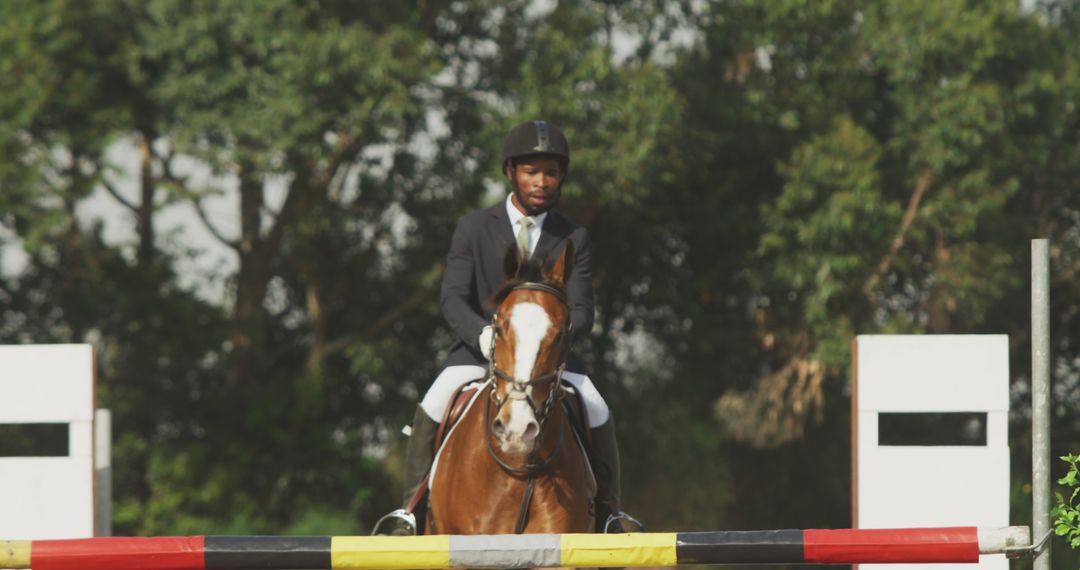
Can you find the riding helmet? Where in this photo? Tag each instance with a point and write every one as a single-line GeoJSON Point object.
{"type": "Point", "coordinates": [536, 137]}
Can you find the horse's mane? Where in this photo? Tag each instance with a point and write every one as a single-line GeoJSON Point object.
{"type": "Point", "coordinates": [530, 271]}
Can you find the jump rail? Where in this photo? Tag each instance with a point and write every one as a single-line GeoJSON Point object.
{"type": "Point", "coordinates": [845, 546]}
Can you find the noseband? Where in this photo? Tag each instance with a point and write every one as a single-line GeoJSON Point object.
{"type": "Point", "coordinates": [519, 388]}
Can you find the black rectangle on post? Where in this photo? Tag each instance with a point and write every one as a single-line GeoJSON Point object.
{"type": "Point", "coordinates": [932, 428]}
{"type": "Point", "coordinates": [34, 440]}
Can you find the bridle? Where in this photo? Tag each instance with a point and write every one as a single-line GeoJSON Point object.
{"type": "Point", "coordinates": [519, 390]}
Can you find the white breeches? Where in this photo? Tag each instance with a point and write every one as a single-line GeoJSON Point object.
{"type": "Point", "coordinates": [452, 377]}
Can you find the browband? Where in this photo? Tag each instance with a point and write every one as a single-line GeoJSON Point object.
{"type": "Point", "coordinates": [536, 286]}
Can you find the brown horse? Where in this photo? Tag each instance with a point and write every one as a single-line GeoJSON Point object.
{"type": "Point", "coordinates": [512, 464]}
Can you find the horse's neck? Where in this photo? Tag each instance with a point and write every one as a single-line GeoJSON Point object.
{"type": "Point", "coordinates": [474, 495]}
{"type": "Point", "coordinates": [553, 428]}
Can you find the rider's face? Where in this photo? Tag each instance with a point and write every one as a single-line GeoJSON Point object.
{"type": "Point", "coordinates": [535, 181]}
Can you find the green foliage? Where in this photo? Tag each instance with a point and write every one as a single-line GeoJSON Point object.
{"type": "Point", "coordinates": [262, 79]}
{"type": "Point", "coordinates": [821, 232]}
{"type": "Point", "coordinates": [1065, 513]}
{"type": "Point", "coordinates": [762, 180]}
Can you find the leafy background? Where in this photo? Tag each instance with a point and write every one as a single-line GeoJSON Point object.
{"type": "Point", "coordinates": [762, 181]}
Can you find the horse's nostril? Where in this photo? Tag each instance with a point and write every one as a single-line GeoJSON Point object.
{"type": "Point", "coordinates": [498, 428]}
{"type": "Point", "coordinates": [531, 431]}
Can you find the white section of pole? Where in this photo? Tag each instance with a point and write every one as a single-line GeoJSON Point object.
{"type": "Point", "coordinates": [997, 540]}
{"type": "Point", "coordinates": [1040, 397]}
{"type": "Point", "coordinates": [103, 472]}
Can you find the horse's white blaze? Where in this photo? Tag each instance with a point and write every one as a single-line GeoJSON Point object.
{"type": "Point", "coordinates": [521, 416]}
{"type": "Point", "coordinates": [530, 323]}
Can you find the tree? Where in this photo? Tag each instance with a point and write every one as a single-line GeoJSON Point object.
{"type": "Point", "coordinates": [321, 103]}
{"type": "Point", "coordinates": [762, 181]}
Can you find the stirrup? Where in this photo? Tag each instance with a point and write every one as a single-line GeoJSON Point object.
{"type": "Point", "coordinates": [402, 515]}
{"type": "Point", "coordinates": [621, 516]}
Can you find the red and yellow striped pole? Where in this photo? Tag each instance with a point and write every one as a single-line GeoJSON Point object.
{"type": "Point", "coordinates": [844, 546]}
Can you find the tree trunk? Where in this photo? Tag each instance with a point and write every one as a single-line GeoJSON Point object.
{"type": "Point", "coordinates": [145, 211]}
{"type": "Point", "coordinates": [251, 281]}
{"type": "Point", "coordinates": [942, 303]}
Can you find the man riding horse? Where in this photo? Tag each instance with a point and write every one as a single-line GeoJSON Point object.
{"type": "Point", "coordinates": [535, 160]}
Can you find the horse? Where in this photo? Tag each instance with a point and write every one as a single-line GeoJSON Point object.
{"type": "Point", "coordinates": [512, 464]}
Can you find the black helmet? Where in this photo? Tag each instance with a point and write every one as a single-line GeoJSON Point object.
{"type": "Point", "coordinates": [536, 137]}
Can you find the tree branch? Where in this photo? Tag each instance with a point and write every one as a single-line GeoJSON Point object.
{"type": "Point", "coordinates": [905, 224]}
{"type": "Point", "coordinates": [196, 202]}
{"type": "Point", "coordinates": [295, 201]}
{"type": "Point", "coordinates": [351, 145]}
{"type": "Point", "coordinates": [345, 151]}
{"type": "Point", "coordinates": [387, 319]}
{"type": "Point", "coordinates": [210, 227]}
{"type": "Point", "coordinates": [166, 168]}
{"type": "Point", "coordinates": [295, 204]}
{"type": "Point", "coordinates": [116, 194]}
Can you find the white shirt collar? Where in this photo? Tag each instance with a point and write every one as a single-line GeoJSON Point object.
{"type": "Point", "coordinates": [515, 215]}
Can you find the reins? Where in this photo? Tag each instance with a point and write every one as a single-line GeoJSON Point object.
{"type": "Point", "coordinates": [519, 391]}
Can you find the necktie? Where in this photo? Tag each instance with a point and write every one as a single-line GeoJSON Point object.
{"type": "Point", "coordinates": [523, 236]}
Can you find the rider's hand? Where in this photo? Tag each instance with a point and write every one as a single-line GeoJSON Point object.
{"type": "Point", "coordinates": [485, 341]}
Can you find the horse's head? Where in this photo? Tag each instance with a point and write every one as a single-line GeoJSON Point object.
{"type": "Point", "coordinates": [532, 341]}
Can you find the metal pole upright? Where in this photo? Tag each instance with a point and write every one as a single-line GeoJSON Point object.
{"type": "Point", "coordinates": [1040, 397]}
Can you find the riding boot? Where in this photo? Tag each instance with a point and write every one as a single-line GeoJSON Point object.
{"type": "Point", "coordinates": [419, 452]}
{"type": "Point", "coordinates": [605, 462]}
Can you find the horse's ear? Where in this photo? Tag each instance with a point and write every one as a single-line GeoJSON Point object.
{"type": "Point", "coordinates": [512, 262]}
{"type": "Point", "coordinates": [561, 271]}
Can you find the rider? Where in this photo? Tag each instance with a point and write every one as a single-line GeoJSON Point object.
{"type": "Point", "coordinates": [535, 160]}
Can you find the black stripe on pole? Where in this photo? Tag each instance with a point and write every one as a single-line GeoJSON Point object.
{"type": "Point", "coordinates": [740, 547]}
{"type": "Point", "coordinates": [254, 552]}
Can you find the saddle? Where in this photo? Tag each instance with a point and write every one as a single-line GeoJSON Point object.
{"type": "Point", "coordinates": [572, 403]}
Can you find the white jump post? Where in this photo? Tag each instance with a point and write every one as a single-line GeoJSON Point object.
{"type": "Point", "coordinates": [961, 478]}
{"type": "Point", "coordinates": [48, 497]}
{"type": "Point", "coordinates": [1040, 401]}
